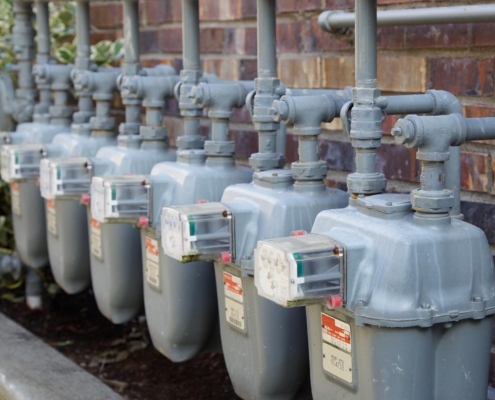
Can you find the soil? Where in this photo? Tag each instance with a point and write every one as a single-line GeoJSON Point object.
{"type": "Point", "coordinates": [122, 356]}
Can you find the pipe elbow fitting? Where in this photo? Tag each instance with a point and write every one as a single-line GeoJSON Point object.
{"type": "Point", "coordinates": [431, 135]}
{"type": "Point", "coordinates": [445, 102]}
{"type": "Point", "coordinates": [306, 113]}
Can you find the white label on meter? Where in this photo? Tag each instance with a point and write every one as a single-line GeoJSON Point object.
{"type": "Point", "coordinates": [234, 307]}
{"type": "Point", "coordinates": [15, 198]}
{"type": "Point", "coordinates": [51, 217]}
{"type": "Point", "coordinates": [152, 263]}
{"type": "Point", "coordinates": [337, 362]}
{"type": "Point", "coordinates": [234, 312]}
{"type": "Point", "coordinates": [96, 238]}
{"type": "Point", "coordinates": [337, 358]}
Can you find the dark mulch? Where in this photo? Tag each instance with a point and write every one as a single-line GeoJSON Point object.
{"type": "Point", "coordinates": [120, 355]}
{"type": "Point", "coordinates": [74, 326]}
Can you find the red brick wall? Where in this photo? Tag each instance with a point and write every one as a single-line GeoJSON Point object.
{"type": "Point", "coordinates": [458, 58]}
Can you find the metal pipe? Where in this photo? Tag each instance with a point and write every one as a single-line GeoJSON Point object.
{"type": "Point", "coordinates": [23, 39]}
{"type": "Point", "coordinates": [43, 34]}
{"type": "Point", "coordinates": [131, 32]}
{"type": "Point", "coordinates": [366, 43]}
{"type": "Point", "coordinates": [190, 34]}
{"type": "Point", "coordinates": [480, 128]}
{"type": "Point", "coordinates": [333, 20]}
{"type": "Point", "coordinates": [83, 30]}
{"type": "Point", "coordinates": [267, 54]}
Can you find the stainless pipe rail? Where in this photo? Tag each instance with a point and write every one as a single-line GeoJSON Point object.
{"type": "Point", "coordinates": [331, 21]}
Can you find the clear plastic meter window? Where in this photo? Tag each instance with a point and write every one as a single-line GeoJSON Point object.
{"type": "Point", "coordinates": [197, 232]}
{"type": "Point", "coordinates": [21, 161]}
{"type": "Point", "coordinates": [64, 177]}
{"type": "Point", "coordinates": [120, 199]}
{"type": "Point", "coordinates": [298, 270]}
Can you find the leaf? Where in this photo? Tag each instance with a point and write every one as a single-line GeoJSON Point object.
{"type": "Point", "coordinates": [12, 297]}
{"type": "Point", "coordinates": [63, 343]}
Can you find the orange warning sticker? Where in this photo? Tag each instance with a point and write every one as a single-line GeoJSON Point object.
{"type": "Point", "coordinates": [15, 198]}
{"type": "Point", "coordinates": [336, 332]}
{"type": "Point", "coordinates": [95, 239]}
{"type": "Point", "coordinates": [51, 217]}
{"type": "Point", "coordinates": [151, 249]}
{"type": "Point", "coordinates": [233, 287]}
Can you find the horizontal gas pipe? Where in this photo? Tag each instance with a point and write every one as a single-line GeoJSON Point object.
{"type": "Point", "coordinates": [331, 21]}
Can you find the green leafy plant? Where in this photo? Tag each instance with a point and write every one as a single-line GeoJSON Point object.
{"type": "Point", "coordinates": [7, 56]}
{"type": "Point", "coordinates": [103, 54]}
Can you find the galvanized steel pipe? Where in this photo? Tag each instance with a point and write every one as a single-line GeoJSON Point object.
{"type": "Point", "coordinates": [190, 34]}
{"type": "Point", "coordinates": [366, 43]}
{"type": "Point", "coordinates": [83, 30]}
{"type": "Point", "coordinates": [131, 32]}
{"type": "Point", "coordinates": [43, 33]}
{"type": "Point", "coordinates": [267, 54]}
{"type": "Point", "coordinates": [333, 20]}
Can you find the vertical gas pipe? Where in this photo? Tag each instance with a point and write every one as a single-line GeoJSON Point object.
{"type": "Point", "coordinates": [23, 37]}
{"type": "Point", "coordinates": [268, 88]}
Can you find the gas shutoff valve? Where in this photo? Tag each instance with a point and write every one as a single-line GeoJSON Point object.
{"type": "Point", "coordinates": [122, 199]}
{"type": "Point", "coordinates": [300, 270]}
{"type": "Point", "coordinates": [198, 232]}
{"type": "Point", "coordinates": [21, 161]}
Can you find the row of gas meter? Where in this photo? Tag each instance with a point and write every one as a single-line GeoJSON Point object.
{"type": "Point", "coordinates": [373, 295]}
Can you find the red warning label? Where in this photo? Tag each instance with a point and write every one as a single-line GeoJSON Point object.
{"type": "Point", "coordinates": [151, 249]}
{"type": "Point", "coordinates": [233, 287]}
{"type": "Point", "coordinates": [50, 204]}
{"type": "Point", "coordinates": [14, 186]}
{"type": "Point", "coordinates": [95, 225]}
{"type": "Point", "coordinates": [336, 332]}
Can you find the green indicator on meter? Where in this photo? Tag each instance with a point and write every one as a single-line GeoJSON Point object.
{"type": "Point", "coordinates": [59, 173]}
{"type": "Point", "coordinates": [192, 225]}
{"type": "Point", "coordinates": [114, 192]}
{"type": "Point", "coordinates": [300, 264]}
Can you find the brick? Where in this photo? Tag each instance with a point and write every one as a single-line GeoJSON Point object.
{"type": "Point", "coordinates": [160, 11]}
{"type": "Point", "coordinates": [227, 10]}
{"type": "Point", "coordinates": [316, 39]}
{"type": "Point", "coordinates": [148, 41]}
{"type": "Point", "coordinates": [391, 37]}
{"type": "Point", "coordinates": [107, 15]}
{"type": "Point", "coordinates": [339, 4]}
{"type": "Point", "coordinates": [481, 215]}
{"type": "Point", "coordinates": [483, 34]}
{"type": "Point", "coordinates": [300, 73]}
{"type": "Point", "coordinates": [291, 148]}
{"type": "Point", "coordinates": [241, 115]}
{"type": "Point", "coordinates": [396, 162]}
{"type": "Point", "coordinates": [402, 74]}
{"type": "Point", "coordinates": [170, 40]}
{"type": "Point", "coordinates": [338, 155]}
{"type": "Point", "coordinates": [112, 35]}
{"type": "Point", "coordinates": [463, 76]}
{"type": "Point", "coordinates": [478, 110]}
{"type": "Point", "coordinates": [212, 40]}
{"type": "Point", "coordinates": [224, 68]}
{"type": "Point", "coordinates": [389, 123]}
{"type": "Point", "coordinates": [289, 37]}
{"type": "Point", "coordinates": [338, 72]}
{"type": "Point", "coordinates": [474, 171]}
{"type": "Point", "coordinates": [246, 142]}
{"type": "Point", "coordinates": [248, 70]}
{"type": "Point", "coordinates": [240, 40]}
{"type": "Point", "coordinates": [437, 36]}
{"type": "Point", "coordinates": [298, 5]}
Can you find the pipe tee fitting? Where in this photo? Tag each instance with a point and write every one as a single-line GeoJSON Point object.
{"type": "Point", "coordinates": [220, 99]}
